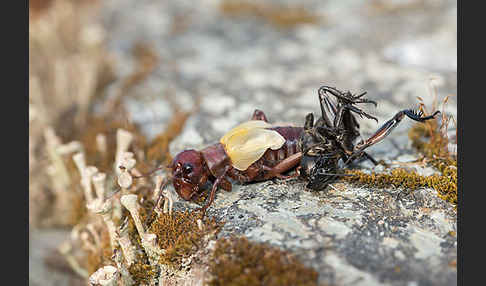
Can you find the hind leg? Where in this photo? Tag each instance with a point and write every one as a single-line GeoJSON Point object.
{"type": "Point", "coordinates": [386, 129]}
{"type": "Point", "coordinates": [259, 115]}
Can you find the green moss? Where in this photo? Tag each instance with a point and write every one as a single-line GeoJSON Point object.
{"type": "Point", "coordinates": [141, 271]}
{"type": "Point", "coordinates": [445, 184]}
{"type": "Point", "coordinates": [428, 140]}
{"type": "Point", "coordinates": [180, 236]}
{"type": "Point", "coordinates": [237, 261]}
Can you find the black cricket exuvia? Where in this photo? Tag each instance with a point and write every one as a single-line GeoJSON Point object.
{"type": "Point", "coordinates": [331, 138]}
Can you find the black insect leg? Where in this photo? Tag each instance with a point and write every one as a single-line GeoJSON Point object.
{"type": "Point", "coordinates": [345, 97]}
{"type": "Point", "coordinates": [386, 129]}
{"type": "Point", "coordinates": [345, 103]}
{"type": "Point", "coordinates": [344, 108]}
{"type": "Point", "coordinates": [324, 101]}
{"type": "Point", "coordinates": [310, 138]}
{"type": "Point", "coordinates": [369, 157]}
{"type": "Point", "coordinates": [346, 126]}
{"type": "Point", "coordinates": [363, 157]}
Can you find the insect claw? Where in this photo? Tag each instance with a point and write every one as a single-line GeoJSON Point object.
{"type": "Point", "coordinates": [370, 117]}
{"type": "Point", "coordinates": [417, 115]}
{"type": "Point", "coordinates": [366, 101]}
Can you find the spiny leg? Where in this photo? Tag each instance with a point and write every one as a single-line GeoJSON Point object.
{"type": "Point", "coordinates": [325, 102]}
{"type": "Point", "coordinates": [343, 108]}
{"type": "Point", "coordinates": [386, 129]}
{"type": "Point", "coordinates": [343, 116]}
{"type": "Point", "coordinates": [345, 97]}
{"type": "Point", "coordinates": [345, 102]}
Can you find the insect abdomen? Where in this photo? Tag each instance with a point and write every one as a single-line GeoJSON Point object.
{"type": "Point", "coordinates": [290, 147]}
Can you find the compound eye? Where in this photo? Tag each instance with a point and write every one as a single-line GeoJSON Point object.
{"type": "Point", "coordinates": [187, 168]}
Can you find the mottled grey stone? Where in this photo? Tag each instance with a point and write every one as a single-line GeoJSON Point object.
{"type": "Point", "coordinates": [350, 235]}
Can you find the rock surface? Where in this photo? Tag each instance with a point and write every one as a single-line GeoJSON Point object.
{"type": "Point", "coordinates": [350, 235]}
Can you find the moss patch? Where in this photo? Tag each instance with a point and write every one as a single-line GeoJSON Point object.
{"type": "Point", "coordinates": [431, 141]}
{"type": "Point", "coordinates": [180, 236]}
{"type": "Point", "coordinates": [237, 261]}
{"type": "Point", "coordinates": [445, 184]}
{"type": "Point", "coordinates": [141, 271]}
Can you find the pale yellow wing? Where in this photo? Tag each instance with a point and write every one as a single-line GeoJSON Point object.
{"type": "Point", "coordinates": [247, 142]}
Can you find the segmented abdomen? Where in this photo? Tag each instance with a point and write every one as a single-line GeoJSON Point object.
{"type": "Point", "coordinates": [271, 157]}
{"type": "Point", "coordinates": [290, 147]}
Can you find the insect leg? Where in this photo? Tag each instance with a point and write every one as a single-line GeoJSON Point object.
{"type": "Point", "coordinates": [346, 97]}
{"type": "Point", "coordinates": [309, 121]}
{"type": "Point", "coordinates": [369, 157]}
{"type": "Point", "coordinates": [339, 116]}
{"type": "Point", "coordinates": [325, 103]}
{"type": "Point", "coordinates": [363, 157]}
{"type": "Point", "coordinates": [259, 115]}
{"type": "Point", "coordinates": [387, 128]}
{"type": "Point", "coordinates": [282, 167]}
{"type": "Point", "coordinates": [226, 185]}
{"type": "Point", "coordinates": [216, 184]}
{"type": "Point", "coordinates": [345, 102]}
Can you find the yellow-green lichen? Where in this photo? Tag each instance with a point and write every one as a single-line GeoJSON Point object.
{"type": "Point", "coordinates": [238, 262]}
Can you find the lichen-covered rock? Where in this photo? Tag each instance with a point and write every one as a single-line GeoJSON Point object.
{"type": "Point", "coordinates": [352, 235]}
{"type": "Point", "coordinates": [237, 62]}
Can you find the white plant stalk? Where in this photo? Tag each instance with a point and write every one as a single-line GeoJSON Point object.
{"type": "Point", "coordinates": [105, 276]}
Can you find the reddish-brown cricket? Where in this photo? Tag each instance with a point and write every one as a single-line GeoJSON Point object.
{"type": "Point", "coordinates": [252, 151]}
